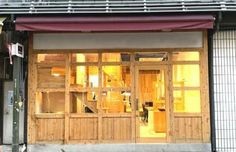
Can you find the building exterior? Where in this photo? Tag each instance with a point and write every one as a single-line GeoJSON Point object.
{"type": "Point", "coordinates": [136, 75]}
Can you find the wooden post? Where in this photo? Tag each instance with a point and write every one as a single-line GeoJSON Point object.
{"type": "Point", "coordinates": [32, 83]}
{"type": "Point", "coordinates": [133, 118]}
{"type": "Point", "coordinates": [205, 91]}
{"type": "Point", "coordinates": [100, 97]}
{"type": "Point", "coordinates": [67, 100]}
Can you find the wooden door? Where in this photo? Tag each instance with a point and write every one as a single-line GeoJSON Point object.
{"type": "Point", "coordinates": [152, 104]}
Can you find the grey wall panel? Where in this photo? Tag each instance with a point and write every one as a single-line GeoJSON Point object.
{"type": "Point", "coordinates": [117, 40]}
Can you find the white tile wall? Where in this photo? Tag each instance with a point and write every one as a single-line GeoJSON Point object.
{"type": "Point", "coordinates": [224, 71]}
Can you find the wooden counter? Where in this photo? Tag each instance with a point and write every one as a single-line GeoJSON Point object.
{"type": "Point", "coordinates": [159, 118]}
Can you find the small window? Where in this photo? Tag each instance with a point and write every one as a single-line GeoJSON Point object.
{"type": "Point", "coordinates": [51, 58]}
{"type": "Point", "coordinates": [115, 57]}
{"type": "Point", "coordinates": [116, 101]}
{"type": "Point", "coordinates": [116, 76]}
{"type": "Point", "coordinates": [84, 76]}
{"type": "Point", "coordinates": [84, 102]}
{"type": "Point", "coordinates": [185, 56]}
{"type": "Point", "coordinates": [84, 57]}
{"type": "Point", "coordinates": [187, 101]}
{"type": "Point", "coordinates": [186, 75]}
{"type": "Point", "coordinates": [51, 77]}
{"type": "Point", "coordinates": [151, 57]}
{"type": "Point", "coordinates": [50, 102]}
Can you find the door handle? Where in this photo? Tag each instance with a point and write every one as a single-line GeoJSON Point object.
{"type": "Point", "coordinates": [136, 104]}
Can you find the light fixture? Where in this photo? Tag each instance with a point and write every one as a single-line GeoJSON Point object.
{"type": "Point", "coordinates": [56, 74]}
{"type": "Point", "coordinates": [1, 23]}
{"type": "Point", "coordinates": [125, 93]}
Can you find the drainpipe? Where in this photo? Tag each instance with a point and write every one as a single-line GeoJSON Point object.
{"type": "Point", "coordinates": [211, 90]}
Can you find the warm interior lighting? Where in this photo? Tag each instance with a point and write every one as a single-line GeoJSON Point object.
{"type": "Point", "coordinates": [93, 79]}
{"type": "Point", "coordinates": [57, 71]}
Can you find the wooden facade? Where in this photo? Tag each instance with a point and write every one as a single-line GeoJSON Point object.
{"type": "Point", "coordinates": [108, 125]}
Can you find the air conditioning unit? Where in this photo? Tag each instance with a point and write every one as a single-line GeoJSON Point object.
{"type": "Point", "coordinates": [17, 50]}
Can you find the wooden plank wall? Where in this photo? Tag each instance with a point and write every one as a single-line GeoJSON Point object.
{"type": "Point", "coordinates": [83, 128]}
{"type": "Point", "coordinates": [116, 128]}
{"type": "Point", "coordinates": [188, 129]}
{"type": "Point", "coordinates": [50, 129]}
{"type": "Point", "coordinates": [46, 80]}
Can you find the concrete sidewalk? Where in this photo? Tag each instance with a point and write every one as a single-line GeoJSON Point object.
{"type": "Point", "coordinates": [120, 148]}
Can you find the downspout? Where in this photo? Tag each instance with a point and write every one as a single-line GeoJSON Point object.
{"type": "Point", "coordinates": [211, 90]}
{"type": "Point", "coordinates": [211, 80]}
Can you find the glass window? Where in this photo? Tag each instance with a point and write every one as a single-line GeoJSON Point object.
{"type": "Point", "coordinates": [84, 76]}
{"type": "Point", "coordinates": [116, 76]}
{"type": "Point", "coordinates": [185, 56]}
{"type": "Point", "coordinates": [50, 102]}
{"type": "Point", "coordinates": [51, 58]}
{"type": "Point", "coordinates": [186, 75]}
{"type": "Point", "coordinates": [84, 57]}
{"type": "Point", "coordinates": [115, 57]}
{"type": "Point", "coordinates": [51, 77]}
{"type": "Point", "coordinates": [84, 102]}
{"type": "Point", "coordinates": [116, 101]}
{"type": "Point", "coordinates": [187, 101]}
{"type": "Point", "coordinates": [151, 57]}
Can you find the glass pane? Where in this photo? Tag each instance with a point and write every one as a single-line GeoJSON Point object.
{"type": "Point", "coordinates": [84, 76]}
{"type": "Point", "coordinates": [115, 57]}
{"type": "Point", "coordinates": [152, 103]}
{"type": "Point", "coordinates": [116, 101]}
{"type": "Point", "coordinates": [50, 102]}
{"type": "Point", "coordinates": [185, 56]}
{"type": "Point", "coordinates": [51, 77]}
{"type": "Point", "coordinates": [116, 76]}
{"type": "Point", "coordinates": [84, 57]}
{"type": "Point", "coordinates": [84, 102]}
{"type": "Point", "coordinates": [51, 58]}
{"type": "Point", "coordinates": [153, 57]}
{"type": "Point", "coordinates": [186, 75]}
{"type": "Point", "coordinates": [187, 101]}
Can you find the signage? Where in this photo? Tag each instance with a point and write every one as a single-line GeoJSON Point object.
{"type": "Point", "coordinates": [17, 50]}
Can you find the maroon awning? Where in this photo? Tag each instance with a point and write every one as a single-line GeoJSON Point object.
{"type": "Point", "coordinates": [103, 24]}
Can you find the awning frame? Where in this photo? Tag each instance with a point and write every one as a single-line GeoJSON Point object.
{"type": "Point", "coordinates": [113, 24]}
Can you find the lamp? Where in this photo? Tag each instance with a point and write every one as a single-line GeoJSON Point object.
{"type": "Point", "coordinates": [1, 23]}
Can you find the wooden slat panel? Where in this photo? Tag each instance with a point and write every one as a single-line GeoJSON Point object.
{"type": "Point", "coordinates": [49, 129]}
{"type": "Point", "coordinates": [187, 129]}
{"type": "Point", "coordinates": [116, 128]}
{"type": "Point", "coordinates": [196, 128]}
{"type": "Point", "coordinates": [84, 128]}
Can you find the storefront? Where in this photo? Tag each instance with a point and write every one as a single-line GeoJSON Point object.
{"type": "Point", "coordinates": [148, 84]}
